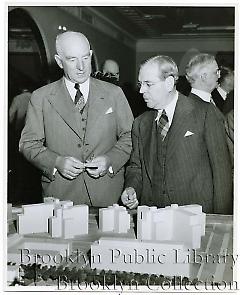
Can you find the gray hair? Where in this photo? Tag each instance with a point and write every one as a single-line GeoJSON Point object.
{"type": "Point", "coordinates": [196, 64]}
{"type": "Point", "coordinates": [60, 37]}
{"type": "Point", "coordinates": [167, 66]}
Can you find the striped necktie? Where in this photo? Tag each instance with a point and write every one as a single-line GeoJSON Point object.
{"type": "Point", "coordinates": [163, 125]}
{"type": "Point", "coordinates": [79, 99]}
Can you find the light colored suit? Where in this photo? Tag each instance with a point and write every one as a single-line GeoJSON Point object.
{"type": "Point", "coordinates": [197, 167]}
{"type": "Point", "coordinates": [53, 128]}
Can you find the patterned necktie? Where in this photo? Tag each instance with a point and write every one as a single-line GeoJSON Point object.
{"type": "Point", "coordinates": [79, 99]}
{"type": "Point", "coordinates": [163, 125]}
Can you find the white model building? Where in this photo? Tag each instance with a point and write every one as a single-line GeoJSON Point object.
{"type": "Point", "coordinates": [34, 218]}
{"type": "Point", "coordinates": [59, 218]}
{"type": "Point", "coordinates": [184, 224]}
{"type": "Point", "coordinates": [114, 219]}
{"type": "Point", "coordinates": [131, 255]}
{"type": "Point", "coordinates": [164, 238]}
{"type": "Point", "coordinates": [69, 222]}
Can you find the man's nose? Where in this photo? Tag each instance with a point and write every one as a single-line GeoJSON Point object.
{"type": "Point", "coordinates": [142, 88]}
{"type": "Point", "coordinates": [79, 64]}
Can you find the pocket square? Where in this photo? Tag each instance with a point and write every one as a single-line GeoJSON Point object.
{"type": "Point", "coordinates": [109, 111]}
{"type": "Point", "coordinates": [188, 133]}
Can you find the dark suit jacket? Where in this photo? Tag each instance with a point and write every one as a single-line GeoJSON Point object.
{"type": "Point", "coordinates": [198, 169]}
{"type": "Point", "coordinates": [229, 126]}
{"type": "Point", "coordinates": [224, 106]}
{"type": "Point", "coordinates": [53, 128]}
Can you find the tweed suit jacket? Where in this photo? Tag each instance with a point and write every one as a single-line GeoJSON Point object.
{"type": "Point", "coordinates": [52, 128]}
{"type": "Point", "coordinates": [197, 169]}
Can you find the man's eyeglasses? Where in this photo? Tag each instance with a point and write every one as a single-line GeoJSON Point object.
{"type": "Point", "coordinates": [147, 83]}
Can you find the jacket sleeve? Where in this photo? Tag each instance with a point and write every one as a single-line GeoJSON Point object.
{"type": "Point", "coordinates": [32, 139]}
{"type": "Point", "coordinates": [119, 154]}
{"type": "Point", "coordinates": [134, 176]}
{"type": "Point", "coordinates": [215, 136]}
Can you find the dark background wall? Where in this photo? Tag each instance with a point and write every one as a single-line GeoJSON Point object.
{"type": "Point", "coordinates": [48, 20]}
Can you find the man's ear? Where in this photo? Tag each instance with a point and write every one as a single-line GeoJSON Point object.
{"type": "Point", "coordinates": [58, 60]}
{"type": "Point", "coordinates": [203, 76]}
{"type": "Point", "coordinates": [91, 52]}
{"type": "Point", "coordinates": [169, 82]}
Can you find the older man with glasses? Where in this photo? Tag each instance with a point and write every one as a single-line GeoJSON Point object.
{"type": "Point", "coordinates": [176, 156]}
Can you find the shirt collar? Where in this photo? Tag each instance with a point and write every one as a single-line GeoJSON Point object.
{"type": "Point", "coordinates": [206, 96]}
{"type": "Point", "coordinates": [84, 88]}
{"type": "Point", "coordinates": [170, 109]}
{"type": "Point", "coordinates": [222, 92]}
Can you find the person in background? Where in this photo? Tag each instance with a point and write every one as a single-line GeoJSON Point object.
{"type": "Point", "coordinates": [229, 126]}
{"type": "Point", "coordinates": [18, 110]}
{"type": "Point", "coordinates": [24, 185]}
{"type": "Point", "coordinates": [180, 154]}
{"type": "Point", "coordinates": [111, 69]}
{"type": "Point", "coordinates": [78, 130]}
{"type": "Point", "coordinates": [203, 73]}
{"type": "Point", "coordinates": [109, 73]}
{"type": "Point", "coordinates": [223, 94]}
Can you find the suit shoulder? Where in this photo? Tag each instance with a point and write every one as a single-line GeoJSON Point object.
{"type": "Point", "coordinates": [46, 88]}
{"type": "Point", "coordinates": [147, 115]}
{"type": "Point", "coordinates": [197, 102]}
{"type": "Point", "coordinates": [105, 84]}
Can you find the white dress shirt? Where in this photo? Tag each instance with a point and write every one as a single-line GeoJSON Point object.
{"type": "Point", "coordinates": [170, 109]}
{"type": "Point", "coordinates": [84, 88]}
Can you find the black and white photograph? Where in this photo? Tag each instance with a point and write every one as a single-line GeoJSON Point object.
{"type": "Point", "coordinates": [118, 163]}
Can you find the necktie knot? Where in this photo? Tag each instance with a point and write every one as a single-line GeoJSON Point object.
{"type": "Point", "coordinates": [77, 86]}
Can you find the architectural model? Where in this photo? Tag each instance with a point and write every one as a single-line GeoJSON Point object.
{"type": "Point", "coordinates": [28, 250]}
{"type": "Point", "coordinates": [172, 223]}
{"type": "Point", "coordinates": [59, 218]}
{"type": "Point", "coordinates": [131, 255]}
{"type": "Point", "coordinates": [114, 219]}
{"type": "Point", "coordinates": [164, 238]}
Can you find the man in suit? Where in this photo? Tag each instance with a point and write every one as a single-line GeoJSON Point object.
{"type": "Point", "coordinates": [229, 126]}
{"type": "Point", "coordinates": [202, 73]}
{"type": "Point", "coordinates": [223, 94]}
{"type": "Point", "coordinates": [179, 152]}
{"type": "Point", "coordinates": [78, 130]}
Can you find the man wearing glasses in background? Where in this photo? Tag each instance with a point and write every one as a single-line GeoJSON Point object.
{"type": "Point", "coordinates": [180, 153]}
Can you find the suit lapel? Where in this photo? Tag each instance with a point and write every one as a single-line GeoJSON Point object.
{"type": "Point", "coordinates": [148, 135]}
{"type": "Point", "coordinates": [179, 124]}
{"type": "Point", "coordinates": [61, 101]}
{"type": "Point", "coordinates": [97, 105]}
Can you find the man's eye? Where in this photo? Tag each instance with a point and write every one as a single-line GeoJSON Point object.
{"type": "Point", "coordinates": [86, 57]}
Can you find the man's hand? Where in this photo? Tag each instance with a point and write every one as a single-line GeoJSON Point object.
{"type": "Point", "coordinates": [129, 198]}
{"type": "Point", "coordinates": [69, 167]}
{"type": "Point", "coordinates": [98, 166]}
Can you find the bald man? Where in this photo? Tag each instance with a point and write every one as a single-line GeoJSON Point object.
{"type": "Point", "coordinates": [78, 130]}
{"type": "Point", "coordinates": [111, 68]}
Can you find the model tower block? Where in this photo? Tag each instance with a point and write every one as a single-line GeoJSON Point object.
{"type": "Point", "coordinates": [114, 219]}
{"type": "Point", "coordinates": [184, 224]}
{"type": "Point", "coordinates": [59, 218]}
